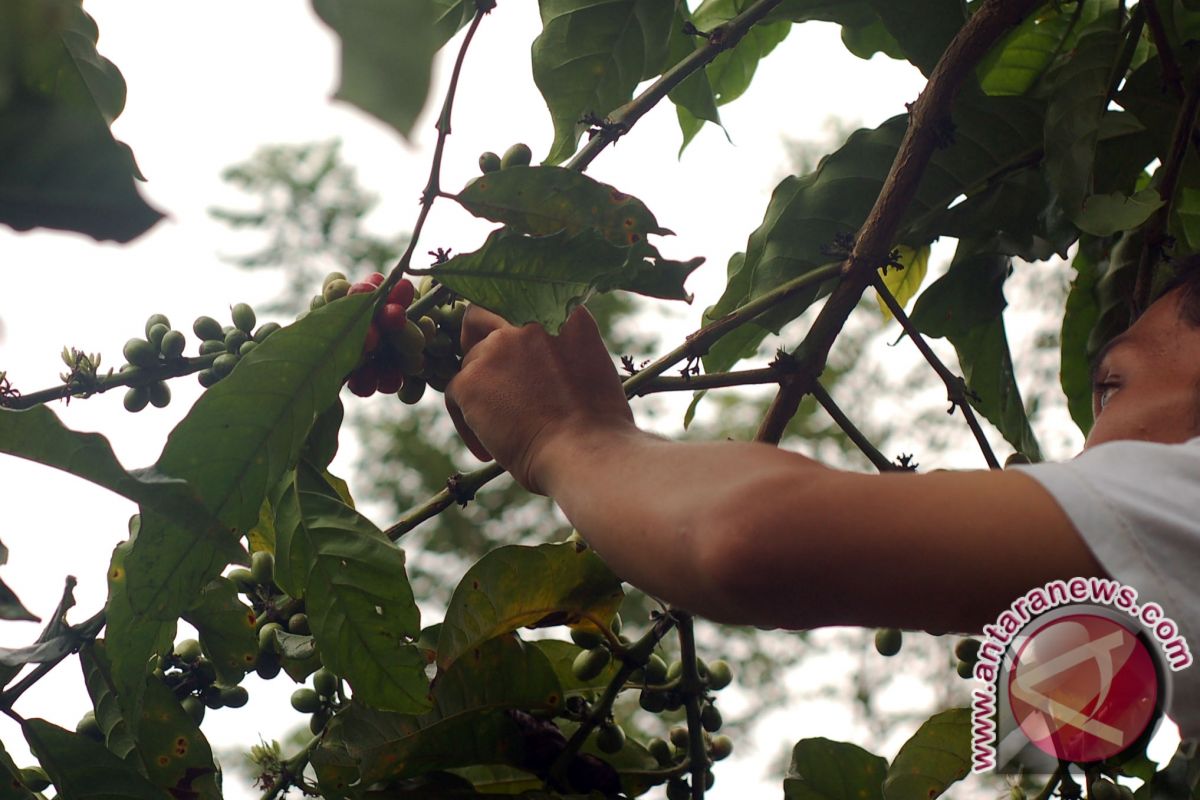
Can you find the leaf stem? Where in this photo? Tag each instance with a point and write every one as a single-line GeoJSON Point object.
{"type": "Point", "coordinates": [720, 39]}
{"type": "Point", "coordinates": [1171, 73]}
{"type": "Point", "coordinates": [141, 376]}
{"type": "Point", "coordinates": [956, 387]}
{"type": "Point", "coordinates": [991, 20]}
{"type": "Point", "coordinates": [85, 631]}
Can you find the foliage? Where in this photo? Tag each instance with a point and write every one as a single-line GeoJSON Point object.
{"type": "Point", "coordinates": [1047, 136]}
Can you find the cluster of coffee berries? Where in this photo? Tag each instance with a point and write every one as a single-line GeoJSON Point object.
{"type": "Point", "coordinates": [274, 611]}
{"type": "Point", "coordinates": [542, 744]}
{"type": "Point", "coordinates": [671, 752]}
{"type": "Point", "coordinates": [401, 356]}
{"type": "Point", "coordinates": [888, 641]}
{"type": "Point", "coordinates": [162, 345]}
{"type": "Point", "coordinates": [321, 701]}
{"type": "Point", "coordinates": [231, 342]}
{"type": "Point", "coordinates": [519, 155]}
{"type": "Point", "coordinates": [966, 650]}
{"type": "Point", "coordinates": [193, 679]}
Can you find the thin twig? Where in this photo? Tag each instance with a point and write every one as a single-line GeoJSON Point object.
{"type": "Point", "coordinates": [142, 376]}
{"type": "Point", "coordinates": [1171, 73]}
{"type": "Point", "coordinates": [720, 39]}
{"type": "Point", "coordinates": [85, 631]}
{"type": "Point", "coordinates": [881, 462]}
{"type": "Point", "coordinates": [710, 380]}
{"type": "Point", "coordinates": [1155, 231]}
{"type": "Point", "coordinates": [991, 20]}
{"type": "Point", "coordinates": [692, 688]}
{"type": "Point", "coordinates": [292, 770]}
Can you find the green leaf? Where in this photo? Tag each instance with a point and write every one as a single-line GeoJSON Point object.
{"type": "Point", "coordinates": [226, 628]}
{"type": "Point", "coordinates": [822, 769]}
{"type": "Point", "coordinates": [546, 200]}
{"type": "Point", "coordinates": [38, 435]}
{"type": "Point", "coordinates": [542, 278]}
{"type": "Point", "coordinates": [238, 440]}
{"type": "Point", "coordinates": [1106, 214]}
{"type": "Point", "coordinates": [561, 656]}
{"type": "Point", "coordinates": [11, 607]}
{"type": "Point", "coordinates": [905, 281]}
{"type": "Point", "coordinates": [516, 586]}
{"type": "Point", "coordinates": [494, 779]}
{"type": "Point", "coordinates": [807, 214]}
{"type": "Point", "coordinates": [970, 293]}
{"type": "Point", "coordinates": [59, 165]}
{"type": "Point", "coordinates": [694, 94]}
{"type": "Point", "coordinates": [466, 726]}
{"type": "Point", "coordinates": [360, 605]}
{"type": "Point", "coordinates": [1186, 213]}
{"type": "Point", "coordinates": [922, 28]}
{"type": "Point", "coordinates": [1078, 100]}
{"type": "Point", "coordinates": [387, 51]}
{"type": "Point", "coordinates": [937, 755]}
{"type": "Point", "coordinates": [1021, 58]}
{"type": "Point", "coordinates": [865, 41]}
{"type": "Point", "coordinates": [97, 676]}
{"type": "Point", "coordinates": [591, 55]}
{"type": "Point", "coordinates": [11, 787]}
{"type": "Point", "coordinates": [84, 770]}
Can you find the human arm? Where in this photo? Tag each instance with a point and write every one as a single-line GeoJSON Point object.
{"type": "Point", "coordinates": [744, 532]}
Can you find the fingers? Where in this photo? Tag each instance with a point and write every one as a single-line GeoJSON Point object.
{"type": "Point", "coordinates": [464, 430]}
{"type": "Point", "coordinates": [477, 324]}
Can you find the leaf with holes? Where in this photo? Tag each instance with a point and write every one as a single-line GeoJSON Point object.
{"type": "Point", "coordinates": [516, 586]}
{"type": "Point", "coordinates": [822, 769]}
{"type": "Point", "coordinates": [936, 756]}
{"type": "Point", "coordinates": [545, 200]}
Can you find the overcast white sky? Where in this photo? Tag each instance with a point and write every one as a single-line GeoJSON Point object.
{"type": "Point", "coordinates": [207, 85]}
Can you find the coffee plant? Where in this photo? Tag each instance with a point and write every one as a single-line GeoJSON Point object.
{"type": "Point", "coordinates": [1060, 129]}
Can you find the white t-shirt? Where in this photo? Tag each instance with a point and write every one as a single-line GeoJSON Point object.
{"type": "Point", "coordinates": [1137, 507]}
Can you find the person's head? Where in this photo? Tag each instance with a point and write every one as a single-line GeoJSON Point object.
{"type": "Point", "coordinates": [1146, 382]}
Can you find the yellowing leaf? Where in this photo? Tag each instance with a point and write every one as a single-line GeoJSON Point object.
{"type": "Point", "coordinates": [904, 283]}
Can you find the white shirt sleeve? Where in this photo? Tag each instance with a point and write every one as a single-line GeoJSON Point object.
{"type": "Point", "coordinates": [1137, 507]}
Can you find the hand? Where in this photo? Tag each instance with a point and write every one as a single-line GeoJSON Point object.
{"type": "Point", "coordinates": [520, 390]}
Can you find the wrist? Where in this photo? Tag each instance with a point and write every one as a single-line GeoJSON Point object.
{"type": "Point", "coordinates": [574, 447]}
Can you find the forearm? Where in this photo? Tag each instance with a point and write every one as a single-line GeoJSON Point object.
{"type": "Point", "coordinates": [663, 513]}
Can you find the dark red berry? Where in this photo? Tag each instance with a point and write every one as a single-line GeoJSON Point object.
{"type": "Point", "coordinates": [362, 287]}
{"type": "Point", "coordinates": [364, 380]}
{"type": "Point", "coordinates": [391, 378]}
{"type": "Point", "coordinates": [403, 293]}
{"type": "Point", "coordinates": [391, 317]}
{"type": "Point", "coordinates": [371, 343]}
{"type": "Point", "coordinates": [375, 278]}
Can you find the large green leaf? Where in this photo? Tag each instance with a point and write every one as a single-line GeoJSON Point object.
{"type": "Point", "coordinates": [822, 769]}
{"type": "Point", "coordinates": [59, 165]}
{"type": "Point", "coordinates": [360, 605]}
{"type": "Point", "coordinates": [591, 55]}
{"type": "Point", "coordinates": [937, 755]}
{"type": "Point", "coordinates": [84, 770]}
{"type": "Point", "coordinates": [516, 586]}
{"type": "Point", "coordinates": [1106, 214]}
{"type": "Point", "coordinates": [545, 200]}
{"type": "Point", "coordinates": [97, 676]}
{"type": "Point", "coordinates": [11, 607]}
{"type": "Point", "coordinates": [238, 440]}
{"type": "Point", "coordinates": [807, 214]}
{"type": "Point", "coordinates": [1079, 317]}
{"type": "Point", "coordinates": [694, 95]}
{"type": "Point", "coordinates": [922, 28]}
{"type": "Point", "coordinates": [11, 787]}
{"type": "Point", "coordinates": [542, 278]}
{"type": "Point", "coordinates": [226, 628]}
{"type": "Point", "coordinates": [1022, 57]}
{"type": "Point", "coordinates": [1078, 100]}
{"type": "Point", "coordinates": [387, 51]}
{"type": "Point", "coordinates": [466, 725]}
{"type": "Point", "coordinates": [38, 435]}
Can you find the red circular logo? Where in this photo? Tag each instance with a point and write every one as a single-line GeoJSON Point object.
{"type": "Point", "coordinates": [1083, 688]}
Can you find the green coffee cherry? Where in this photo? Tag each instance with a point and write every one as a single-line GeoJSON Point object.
{"type": "Point", "coordinates": [660, 750]}
{"type": "Point", "coordinates": [318, 301]}
{"type": "Point", "coordinates": [136, 398]}
{"type": "Point", "coordinates": [207, 377]}
{"type": "Point", "coordinates": [318, 721]}
{"type": "Point", "coordinates": [235, 339]}
{"type": "Point", "coordinates": [207, 328]}
{"type": "Point", "coordinates": [587, 638]}
{"type": "Point", "coordinates": [656, 669]}
{"type": "Point", "coordinates": [156, 333]}
{"type": "Point", "coordinates": [89, 727]}
{"type": "Point", "coordinates": [652, 701]}
{"type": "Point", "coordinates": [965, 669]}
{"type": "Point", "coordinates": [242, 578]}
{"type": "Point", "coordinates": [413, 390]}
{"type": "Point", "coordinates": [267, 643]}
{"type": "Point", "coordinates": [265, 330]}
{"type": "Point", "coordinates": [721, 747]}
{"type": "Point", "coordinates": [675, 671]}
{"type": "Point", "coordinates": [188, 650]}
{"type": "Point", "coordinates": [298, 624]}
{"type": "Point", "coordinates": [710, 718]}
{"type": "Point", "coordinates": [247, 348]}
{"type": "Point", "coordinates": [34, 778]}
{"type": "Point", "coordinates": [194, 708]}
{"type": "Point", "coordinates": [610, 738]}
{"type": "Point", "coordinates": [336, 290]}
{"type": "Point", "coordinates": [306, 701]}
{"type": "Point", "coordinates": [677, 789]}
{"type": "Point", "coordinates": [160, 394]}
{"type": "Point", "coordinates": [172, 344]}
{"type": "Point", "coordinates": [888, 641]}
{"type": "Point", "coordinates": [224, 364]}
{"type": "Point", "coordinates": [267, 666]}
{"type": "Point", "coordinates": [679, 736]}
{"type": "Point", "coordinates": [156, 319]}
{"type": "Point", "coordinates": [519, 155]}
{"type": "Point", "coordinates": [333, 276]}
{"type": "Point", "coordinates": [489, 162]}
{"type": "Point", "coordinates": [209, 346]}
{"type": "Point", "coordinates": [262, 567]}
{"type": "Point", "coordinates": [325, 682]}
{"type": "Point", "coordinates": [590, 663]}
{"type": "Point", "coordinates": [967, 649]}
{"type": "Point", "coordinates": [211, 697]}
{"type": "Point", "coordinates": [234, 696]}
{"type": "Point", "coordinates": [204, 671]}
{"type": "Point", "coordinates": [140, 353]}
{"type": "Point", "coordinates": [719, 675]}
{"type": "Point", "coordinates": [243, 317]}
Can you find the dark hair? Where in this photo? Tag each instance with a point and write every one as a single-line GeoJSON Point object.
{"type": "Point", "coordinates": [1187, 279]}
